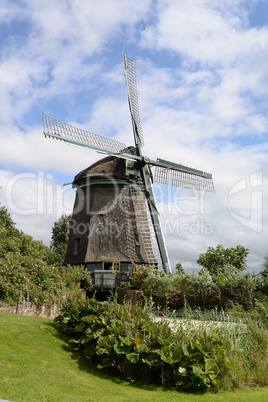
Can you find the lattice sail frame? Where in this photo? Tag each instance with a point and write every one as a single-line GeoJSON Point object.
{"type": "Point", "coordinates": [131, 78]}
{"type": "Point", "coordinates": [59, 130]}
{"type": "Point", "coordinates": [186, 179]}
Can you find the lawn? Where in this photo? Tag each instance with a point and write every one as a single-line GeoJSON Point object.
{"type": "Point", "coordinates": [35, 365]}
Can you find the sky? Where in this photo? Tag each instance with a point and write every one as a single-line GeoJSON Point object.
{"type": "Point", "coordinates": [202, 75]}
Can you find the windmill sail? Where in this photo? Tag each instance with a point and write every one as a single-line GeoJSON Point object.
{"type": "Point", "coordinates": [131, 79]}
{"type": "Point", "coordinates": [182, 176]}
{"type": "Point", "coordinates": [158, 241]}
{"type": "Point", "coordinates": [59, 130]}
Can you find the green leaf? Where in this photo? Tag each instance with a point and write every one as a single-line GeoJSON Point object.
{"type": "Point", "coordinates": [99, 333]}
{"type": "Point", "coordinates": [185, 349]}
{"type": "Point", "coordinates": [101, 351]}
{"type": "Point", "coordinates": [211, 368]}
{"type": "Point", "coordinates": [133, 357]}
{"type": "Point", "coordinates": [164, 341]}
{"type": "Point", "coordinates": [80, 327]}
{"type": "Point", "coordinates": [141, 348]}
{"type": "Point", "coordinates": [125, 341]}
{"type": "Point", "coordinates": [88, 319]}
{"type": "Point", "coordinates": [107, 343]}
{"type": "Point", "coordinates": [198, 370]}
{"type": "Point", "coordinates": [199, 377]}
{"type": "Point", "coordinates": [95, 326]}
{"type": "Point", "coordinates": [120, 348]}
{"type": "Point", "coordinates": [170, 354]}
{"type": "Point", "coordinates": [152, 360]}
{"type": "Point", "coordinates": [88, 339]}
{"type": "Point", "coordinates": [74, 341]}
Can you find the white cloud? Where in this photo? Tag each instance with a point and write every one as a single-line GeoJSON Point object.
{"type": "Point", "coordinates": [204, 31]}
{"type": "Point", "coordinates": [35, 201]}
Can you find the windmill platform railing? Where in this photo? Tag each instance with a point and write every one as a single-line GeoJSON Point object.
{"type": "Point", "coordinates": [108, 280]}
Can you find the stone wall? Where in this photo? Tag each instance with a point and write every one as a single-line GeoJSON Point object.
{"type": "Point", "coordinates": [32, 310]}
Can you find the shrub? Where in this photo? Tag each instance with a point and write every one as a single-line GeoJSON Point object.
{"type": "Point", "coordinates": [139, 273]}
{"type": "Point", "coordinates": [158, 286]}
{"type": "Point", "coordinates": [237, 286]}
{"type": "Point", "coordinates": [123, 339]}
{"type": "Point", "coordinates": [126, 341]}
{"type": "Point", "coordinates": [27, 263]}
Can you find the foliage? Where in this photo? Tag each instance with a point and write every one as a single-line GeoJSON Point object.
{"type": "Point", "coordinates": [179, 268]}
{"type": "Point", "coordinates": [60, 234]}
{"type": "Point", "coordinates": [25, 262]}
{"type": "Point", "coordinates": [76, 276]}
{"type": "Point", "coordinates": [265, 263]}
{"type": "Point", "coordinates": [238, 286]}
{"type": "Point", "coordinates": [174, 290]}
{"type": "Point", "coordinates": [195, 283]}
{"type": "Point", "coordinates": [46, 283]}
{"type": "Point", "coordinates": [189, 286]}
{"type": "Point", "coordinates": [126, 341]}
{"type": "Point", "coordinates": [139, 273]}
{"type": "Point", "coordinates": [264, 275]}
{"type": "Point", "coordinates": [6, 221]}
{"type": "Point", "coordinates": [195, 289]}
{"type": "Point", "coordinates": [229, 287]}
{"type": "Point", "coordinates": [215, 259]}
{"type": "Point", "coordinates": [158, 286]}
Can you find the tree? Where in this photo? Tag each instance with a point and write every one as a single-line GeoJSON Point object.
{"type": "Point", "coordinates": [6, 221]}
{"type": "Point", "coordinates": [264, 272]}
{"type": "Point", "coordinates": [215, 259]}
{"type": "Point", "coordinates": [179, 268]}
{"type": "Point", "coordinates": [60, 234]}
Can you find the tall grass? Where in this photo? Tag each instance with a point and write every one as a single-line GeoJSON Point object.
{"type": "Point", "coordinates": [244, 341]}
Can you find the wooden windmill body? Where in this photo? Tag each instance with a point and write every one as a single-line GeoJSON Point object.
{"type": "Point", "coordinates": [110, 223]}
{"type": "Point", "coordinates": [115, 218]}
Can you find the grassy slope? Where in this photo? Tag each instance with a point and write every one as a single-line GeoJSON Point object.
{"type": "Point", "coordinates": [36, 366]}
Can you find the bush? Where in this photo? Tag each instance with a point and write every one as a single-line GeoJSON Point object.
{"type": "Point", "coordinates": [174, 291]}
{"type": "Point", "coordinates": [158, 286]}
{"type": "Point", "coordinates": [45, 283]}
{"type": "Point", "coordinates": [27, 263]}
{"type": "Point", "coordinates": [237, 286]}
{"type": "Point", "coordinates": [139, 273]}
{"type": "Point", "coordinates": [126, 341]}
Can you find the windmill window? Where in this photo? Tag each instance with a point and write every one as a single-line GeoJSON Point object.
{"type": "Point", "coordinates": [101, 219]}
{"type": "Point", "coordinates": [116, 266]}
{"type": "Point", "coordinates": [76, 246]}
{"type": "Point", "coordinates": [137, 239]}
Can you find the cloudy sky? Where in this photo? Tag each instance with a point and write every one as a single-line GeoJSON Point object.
{"type": "Point", "coordinates": [202, 69]}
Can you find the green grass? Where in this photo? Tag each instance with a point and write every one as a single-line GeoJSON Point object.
{"type": "Point", "coordinates": [35, 365]}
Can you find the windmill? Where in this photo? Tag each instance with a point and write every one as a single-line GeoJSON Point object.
{"type": "Point", "coordinates": [115, 217]}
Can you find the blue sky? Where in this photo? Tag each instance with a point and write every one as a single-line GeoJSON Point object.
{"type": "Point", "coordinates": [202, 71]}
